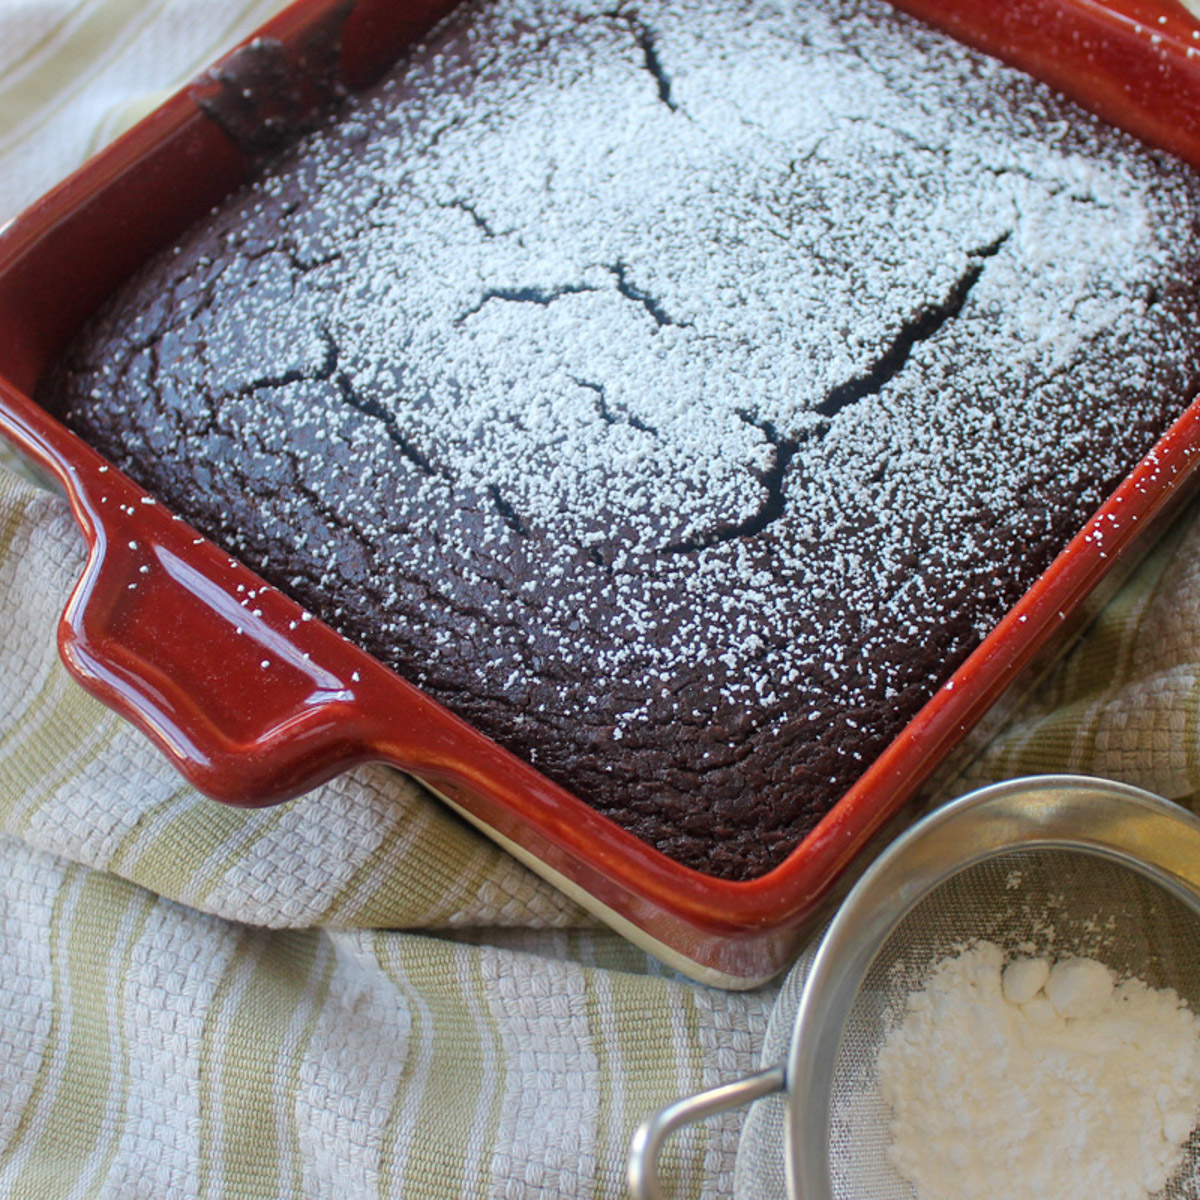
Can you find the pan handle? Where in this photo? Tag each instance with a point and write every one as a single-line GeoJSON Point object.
{"type": "Point", "coordinates": [648, 1141]}
{"type": "Point", "coordinates": [252, 699]}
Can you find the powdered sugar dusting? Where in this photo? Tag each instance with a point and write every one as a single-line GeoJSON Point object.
{"type": "Point", "coordinates": [648, 382]}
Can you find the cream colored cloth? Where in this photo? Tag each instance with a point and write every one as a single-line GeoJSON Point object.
{"type": "Point", "coordinates": [197, 1001]}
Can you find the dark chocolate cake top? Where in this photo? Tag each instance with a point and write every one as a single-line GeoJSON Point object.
{"type": "Point", "coordinates": [678, 391]}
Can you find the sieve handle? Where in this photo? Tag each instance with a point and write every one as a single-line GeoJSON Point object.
{"type": "Point", "coordinates": [653, 1132]}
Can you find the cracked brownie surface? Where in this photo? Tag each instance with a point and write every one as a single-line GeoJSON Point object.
{"type": "Point", "coordinates": [676, 391]}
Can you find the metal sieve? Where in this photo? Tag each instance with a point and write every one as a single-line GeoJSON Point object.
{"type": "Point", "coordinates": [1064, 864]}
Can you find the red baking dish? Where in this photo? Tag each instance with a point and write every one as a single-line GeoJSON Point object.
{"type": "Point", "coordinates": [255, 702]}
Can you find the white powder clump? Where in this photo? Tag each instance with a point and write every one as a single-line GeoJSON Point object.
{"type": "Point", "coordinates": [1039, 1079]}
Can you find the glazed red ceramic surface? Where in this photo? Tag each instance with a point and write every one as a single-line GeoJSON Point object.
{"type": "Point", "coordinates": [256, 702]}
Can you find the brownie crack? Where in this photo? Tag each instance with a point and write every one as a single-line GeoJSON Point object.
{"type": "Point", "coordinates": [646, 39]}
{"type": "Point", "coordinates": [926, 324]}
{"type": "Point", "coordinates": [771, 509]}
{"type": "Point", "coordinates": [525, 295]}
{"type": "Point", "coordinates": [322, 374]}
{"type": "Point", "coordinates": [886, 367]}
{"type": "Point", "coordinates": [302, 265]}
{"type": "Point", "coordinates": [620, 272]}
{"type": "Point", "coordinates": [508, 514]}
{"type": "Point", "coordinates": [607, 415]}
{"type": "Point", "coordinates": [477, 218]}
{"type": "Point", "coordinates": [370, 407]}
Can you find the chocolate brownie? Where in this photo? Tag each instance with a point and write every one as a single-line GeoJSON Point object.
{"type": "Point", "coordinates": [678, 391]}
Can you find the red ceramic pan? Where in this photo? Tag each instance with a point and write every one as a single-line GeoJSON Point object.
{"type": "Point", "coordinates": [255, 702]}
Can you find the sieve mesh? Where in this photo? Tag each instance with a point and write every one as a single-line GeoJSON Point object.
{"type": "Point", "coordinates": [1061, 902]}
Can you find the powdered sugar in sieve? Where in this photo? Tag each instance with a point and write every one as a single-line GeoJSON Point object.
{"type": "Point", "coordinates": [1058, 866]}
